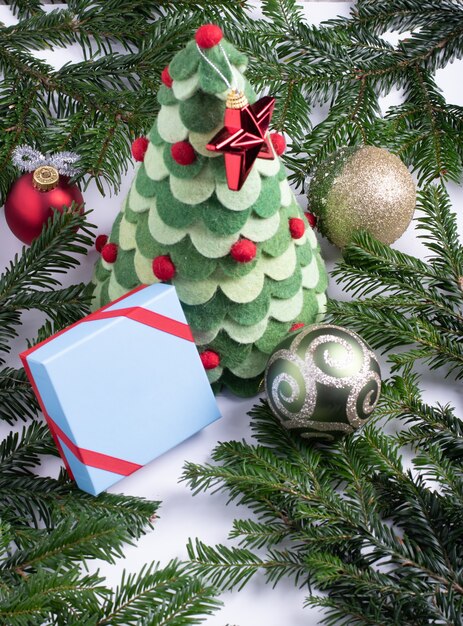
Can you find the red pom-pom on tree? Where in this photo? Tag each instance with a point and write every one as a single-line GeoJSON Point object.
{"type": "Point", "coordinates": [139, 148]}
{"type": "Point", "coordinates": [296, 326]}
{"type": "Point", "coordinates": [109, 252]}
{"type": "Point", "coordinates": [183, 153]}
{"type": "Point", "coordinates": [208, 36]}
{"type": "Point", "coordinates": [311, 218]}
{"type": "Point", "coordinates": [100, 242]}
{"type": "Point", "coordinates": [243, 251]}
{"type": "Point", "coordinates": [166, 77]}
{"type": "Point", "coordinates": [163, 267]}
{"type": "Point", "coordinates": [209, 359]}
{"type": "Point", "coordinates": [296, 227]}
{"type": "Point", "coordinates": [279, 143]}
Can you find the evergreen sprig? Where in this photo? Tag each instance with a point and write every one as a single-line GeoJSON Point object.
{"type": "Point", "coordinates": [48, 527]}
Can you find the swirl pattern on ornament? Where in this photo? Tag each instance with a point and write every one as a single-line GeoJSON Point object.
{"type": "Point", "coordinates": [314, 363]}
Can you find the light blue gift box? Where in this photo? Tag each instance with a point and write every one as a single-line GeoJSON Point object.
{"type": "Point", "coordinates": [122, 386]}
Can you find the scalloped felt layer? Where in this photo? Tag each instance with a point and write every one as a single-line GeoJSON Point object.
{"type": "Point", "coordinates": [220, 220]}
{"type": "Point", "coordinates": [114, 235]}
{"type": "Point", "coordinates": [100, 273]}
{"type": "Point", "coordinates": [184, 89]}
{"type": "Point", "coordinates": [137, 202]}
{"type": "Point", "coordinates": [268, 167]}
{"type": "Point", "coordinates": [124, 270]}
{"type": "Point", "coordinates": [234, 269]}
{"type": "Point", "coordinates": [185, 63]}
{"type": "Point", "coordinates": [242, 387]}
{"type": "Point", "coordinates": [261, 229]}
{"type": "Point", "coordinates": [127, 234]}
{"type": "Point", "coordinates": [231, 352]}
{"type": "Point", "coordinates": [237, 58]}
{"type": "Point", "coordinates": [303, 253]}
{"type": "Point", "coordinates": [147, 246]}
{"type": "Point", "coordinates": [195, 292]}
{"type": "Point", "coordinates": [182, 171]}
{"type": "Point", "coordinates": [269, 201]}
{"type": "Point", "coordinates": [287, 287]}
{"type": "Point", "coordinates": [218, 168]}
{"type": "Point", "coordinates": [115, 290]}
{"type": "Point", "coordinates": [310, 274]}
{"type": "Point", "coordinates": [276, 245]}
{"type": "Point", "coordinates": [321, 302]}
{"type": "Point", "coordinates": [322, 284]}
{"type": "Point", "coordinates": [189, 263]}
{"type": "Point", "coordinates": [199, 142]}
{"type": "Point", "coordinates": [274, 333]}
{"type": "Point", "coordinates": [173, 212]}
{"type": "Point", "coordinates": [170, 124]}
{"type": "Point", "coordinates": [244, 289]}
{"type": "Point", "coordinates": [104, 293]}
{"type": "Point", "coordinates": [196, 190]}
{"type": "Point", "coordinates": [286, 195]}
{"type": "Point", "coordinates": [161, 232]}
{"type": "Point", "coordinates": [144, 269]}
{"type": "Point", "coordinates": [287, 310]}
{"type": "Point", "coordinates": [245, 197]}
{"type": "Point", "coordinates": [154, 135]}
{"type": "Point", "coordinates": [201, 113]}
{"type": "Point", "coordinates": [214, 374]}
{"type": "Point", "coordinates": [145, 185]}
{"type": "Point", "coordinates": [211, 81]}
{"type": "Point", "coordinates": [252, 366]}
{"type": "Point", "coordinates": [238, 83]}
{"type": "Point", "coordinates": [154, 163]}
{"type": "Point", "coordinates": [209, 244]}
{"type": "Point", "coordinates": [166, 96]}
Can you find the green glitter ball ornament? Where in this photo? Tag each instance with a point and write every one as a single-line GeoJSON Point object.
{"type": "Point", "coordinates": [323, 382]}
{"type": "Point", "coordinates": [362, 188]}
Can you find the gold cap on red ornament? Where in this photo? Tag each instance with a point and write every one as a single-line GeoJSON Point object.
{"type": "Point", "coordinates": [45, 178]}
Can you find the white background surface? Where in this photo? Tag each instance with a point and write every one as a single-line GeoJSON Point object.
{"type": "Point", "coordinates": [208, 516]}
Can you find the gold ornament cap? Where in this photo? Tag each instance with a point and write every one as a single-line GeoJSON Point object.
{"type": "Point", "coordinates": [236, 99]}
{"type": "Point", "coordinates": [45, 178]}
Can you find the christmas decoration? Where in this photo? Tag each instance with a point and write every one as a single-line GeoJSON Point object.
{"type": "Point", "coordinates": [45, 187]}
{"type": "Point", "coordinates": [146, 353]}
{"type": "Point", "coordinates": [245, 264]}
{"type": "Point", "coordinates": [364, 188]}
{"type": "Point", "coordinates": [323, 382]}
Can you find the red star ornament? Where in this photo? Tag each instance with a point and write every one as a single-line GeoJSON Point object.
{"type": "Point", "coordinates": [244, 138]}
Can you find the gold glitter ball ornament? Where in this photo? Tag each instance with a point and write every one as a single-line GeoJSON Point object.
{"type": "Point", "coordinates": [323, 382]}
{"type": "Point", "coordinates": [362, 188]}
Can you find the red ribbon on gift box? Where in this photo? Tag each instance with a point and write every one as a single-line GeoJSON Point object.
{"type": "Point", "coordinates": [137, 314]}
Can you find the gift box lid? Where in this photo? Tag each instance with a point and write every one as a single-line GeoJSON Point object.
{"type": "Point", "coordinates": [124, 383]}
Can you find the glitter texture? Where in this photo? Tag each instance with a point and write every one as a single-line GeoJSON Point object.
{"type": "Point", "coordinates": [371, 190]}
{"type": "Point", "coordinates": [324, 382]}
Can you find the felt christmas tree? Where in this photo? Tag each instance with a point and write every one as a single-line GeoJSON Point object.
{"type": "Point", "coordinates": [218, 223]}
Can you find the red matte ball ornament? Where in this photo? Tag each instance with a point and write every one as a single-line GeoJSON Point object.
{"type": "Point", "coordinates": [166, 77]}
{"type": "Point", "coordinates": [296, 227]}
{"type": "Point", "coordinates": [139, 148]}
{"type": "Point", "coordinates": [311, 218]}
{"type": "Point", "coordinates": [279, 143]}
{"type": "Point", "coordinates": [163, 267]}
{"type": "Point", "coordinates": [243, 251]}
{"type": "Point", "coordinates": [209, 359]}
{"type": "Point", "coordinates": [183, 153]}
{"type": "Point", "coordinates": [33, 198]}
{"type": "Point", "coordinates": [208, 36]}
{"type": "Point", "coordinates": [109, 252]}
{"type": "Point", "coordinates": [100, 242]}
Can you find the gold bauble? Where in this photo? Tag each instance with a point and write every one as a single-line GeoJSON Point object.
{"type": "Point", "coordinates": [362, 188]}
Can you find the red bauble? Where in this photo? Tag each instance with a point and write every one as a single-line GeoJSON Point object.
{"type": "Point", "coordinates": [209, 359]}
{"type": "Point", "coordinates": [243, 251]}
{"type": "Point", "coordinates": [163, 267]}
{"type": "Point", "coordinates": [183, 153]}
{"type": "Point", "coordinates": [166, 77]}
{"type": "Point", "coordinates": [139, 148]}
{"type": "Point", "coordinates": [279, 143]}
{"type": "Point", "coordinates": [208, 36]}
{"type": "Point", "coordinates": [296, 227]}
{"type": "Point", "coordinates": [311, 218]}
{"type": "Point", "coordinates": [27, 209]}
{"type": "Point", "coordinates": [296, 326]}
{"type": "Point", "coordinates": [100, 242]}
{"type": "Point", "coordinates": [109, 252]}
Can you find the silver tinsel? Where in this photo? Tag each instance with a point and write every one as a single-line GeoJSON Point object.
{"type": "Point", "coordinates": [28, 159]}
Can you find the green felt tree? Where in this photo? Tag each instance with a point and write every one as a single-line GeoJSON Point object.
{"type": "Point", "coordinates": [245, 264]}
